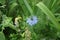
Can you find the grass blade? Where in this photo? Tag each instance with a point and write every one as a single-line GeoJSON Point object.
{"type": "Point", "coordinates": [28, 6]}
{"type": "Point", "coordinates": [49, 14]}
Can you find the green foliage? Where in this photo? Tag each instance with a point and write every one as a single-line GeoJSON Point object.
{"type": "Point", "coordinates": [2, 37]}
{"type": "Point", "coordinates": [49, 14]}
{"type": "Point", "coordinates": [15, 13]}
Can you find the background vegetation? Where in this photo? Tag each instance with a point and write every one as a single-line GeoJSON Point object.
{"type": "Point", "coordinates": [29, 19]}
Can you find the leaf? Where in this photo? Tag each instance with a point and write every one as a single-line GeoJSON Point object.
{"type": "Point", "coordinates": [12, 7]}
{"type": "Point", "coordinates": [49, 14]}
{"type": "Point", "coordinates": [54, 2]}
{"type": "Point", "coordinates": [28, 6]}
{"type": "Point", "coordinates": [2, 37]}
{"type": "Point", "coordinates": [7, 22]}
{"type": "Point", "coordinates": [2, 1]}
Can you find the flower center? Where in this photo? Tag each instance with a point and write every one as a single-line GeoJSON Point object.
{"type": "Point", "coordinates": [31, 18]}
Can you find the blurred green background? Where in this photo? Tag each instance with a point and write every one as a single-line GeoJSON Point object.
{"type": "Point", "coordinates": [29, 19]}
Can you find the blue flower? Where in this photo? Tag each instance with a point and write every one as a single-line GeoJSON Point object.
{"type": "Point", "coordinates": [32, 21]}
